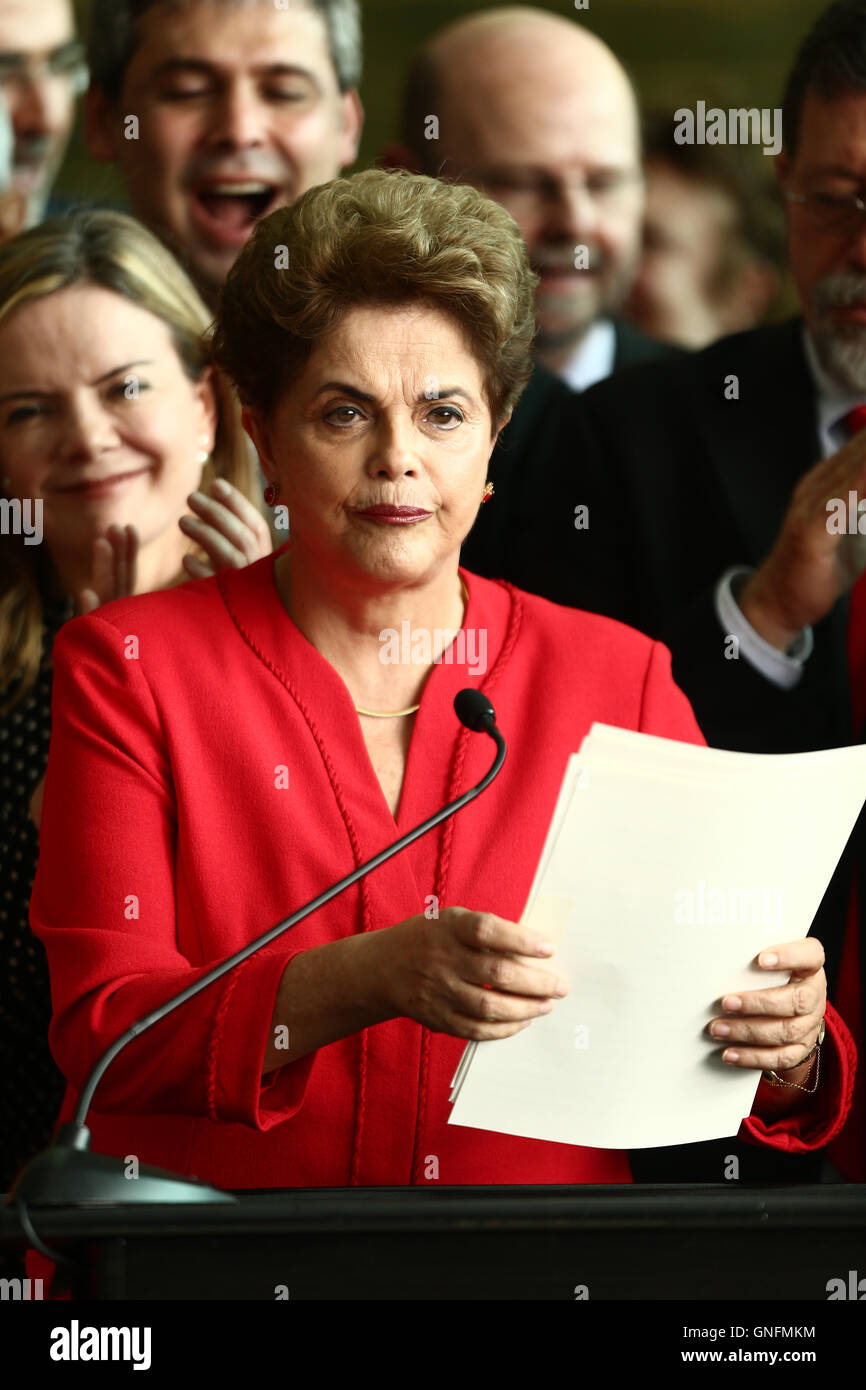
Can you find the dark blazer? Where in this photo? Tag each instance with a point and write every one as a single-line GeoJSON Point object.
{"type": "Point", "coordinates": [634, 347]}
{"type": "Point", "coordinates": [696, 482]}
{"type": "Point", "coordinates": [527, 451]}
{"type": "Point", "coordinates": [684, 482]}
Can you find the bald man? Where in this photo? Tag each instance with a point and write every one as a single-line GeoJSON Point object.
{"type": "Point", "coordinates": [539, 114]}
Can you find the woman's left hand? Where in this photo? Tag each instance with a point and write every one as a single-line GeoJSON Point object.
{"type": "Point", "coordinates": [228, 527]}
{"type": "Point", "coordinates": [774, 1029]}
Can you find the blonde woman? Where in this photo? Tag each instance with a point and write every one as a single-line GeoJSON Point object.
{"type": "Point", "coordinates": [113, 421]}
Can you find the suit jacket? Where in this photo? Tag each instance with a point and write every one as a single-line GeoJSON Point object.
{"type": "Point", "coordinates": [634, 347]}
{"type": "Point", "coordinates": [699, 458]}
{"type": "Point", "coordinates": [528, 450]}
{"type": "Point", "coordinates": [690, 465]}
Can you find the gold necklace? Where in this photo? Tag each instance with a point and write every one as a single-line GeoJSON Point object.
{"type": "Point", "coordinates": [413, 709]}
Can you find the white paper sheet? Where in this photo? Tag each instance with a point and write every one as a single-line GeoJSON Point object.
{"type": "Point", "coordinates": [667, 869]}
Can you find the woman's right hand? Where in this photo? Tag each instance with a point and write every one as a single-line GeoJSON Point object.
{"type": "Point", "coordinates": [114, 569]}
{"type": "Point", "coordinates": [13, 214]}
{"type": "Point", "coordinates": [458, 974]}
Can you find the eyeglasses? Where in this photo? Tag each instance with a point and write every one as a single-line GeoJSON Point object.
{"type": "Point", "coordinates": [831, 212]}
{"type": "Point", "coordinates": [64, 64]}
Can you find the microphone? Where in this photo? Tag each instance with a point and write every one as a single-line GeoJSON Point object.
{"type": "Point", "coordinates": [475, 711]}
{"type": "Point", "coordinates": [68, 1173]}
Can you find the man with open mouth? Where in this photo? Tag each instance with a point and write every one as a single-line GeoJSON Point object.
{"type": "Point", "coordinates": [219, 111]}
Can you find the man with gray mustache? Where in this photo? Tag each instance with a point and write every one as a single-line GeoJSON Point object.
{"type": "Point", "coordinates": [836, 319]}
{"type": "Point", "coordinates": [733, 516]}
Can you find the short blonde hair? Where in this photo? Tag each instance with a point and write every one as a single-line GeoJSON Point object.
{"type": "Point", "coordinates": [379, 237]}
{"type": "Point", "coordinates": [115, 252]}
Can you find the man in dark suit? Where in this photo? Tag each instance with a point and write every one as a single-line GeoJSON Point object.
{"type": "Point", "coordinates": [528, 453]}
{"type": "Point", "coordinates": [538, 113]}
{"type": "Point", "coordinates": [725, 513]}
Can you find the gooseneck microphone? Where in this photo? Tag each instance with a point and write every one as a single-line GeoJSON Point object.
{"type": "Point", "coordinates": [68, 1173]}
{"type": "Point", "coordinates": [475, 711]}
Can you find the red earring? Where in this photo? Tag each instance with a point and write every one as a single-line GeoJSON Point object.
{"type": "Point", "coordinates": [487, 493]}
{"type": "Point", "coordinates": [272, 494]}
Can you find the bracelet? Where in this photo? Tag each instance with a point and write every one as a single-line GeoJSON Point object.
{"type": "Point", "coordinates": [775, 1080]}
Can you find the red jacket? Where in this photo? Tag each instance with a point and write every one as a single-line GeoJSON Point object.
{"type": "Point", "coordinates": [207, 776]}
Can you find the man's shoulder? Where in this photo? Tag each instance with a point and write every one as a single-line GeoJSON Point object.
{"type": "Point", "coordinates": [543, 402]}
{"type": "Point", "coordinates": [542, 391]}
{"type": "Point", "coordinates": [770, 350]}
{"type": "Point", "coordinates": [568, 631]}
{"type": "Point", "coordinates": [634, 348]}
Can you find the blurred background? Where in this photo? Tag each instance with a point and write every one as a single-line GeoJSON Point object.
{"type": "Point", "coordinates": [725, 52]}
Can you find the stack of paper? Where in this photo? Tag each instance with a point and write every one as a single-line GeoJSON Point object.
{"type": "Point", "coordinates": [668, 867]}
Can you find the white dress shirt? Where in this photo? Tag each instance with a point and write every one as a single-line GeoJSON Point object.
{"type": "Point", "coordinates": [593, 358]}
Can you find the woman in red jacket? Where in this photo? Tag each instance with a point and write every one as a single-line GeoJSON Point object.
{"type": "Point", "coordinates": [224, 751]}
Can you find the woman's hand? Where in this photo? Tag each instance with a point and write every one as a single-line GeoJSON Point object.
{"type": "Point", "coordinates": [13, 214]}
{"type": "Point", "coordinates": [227, 527]}
{"type": "Point", "coordinates": [233, 534]}
{"type": "Point", "coordinates": [458, 974]}
{"type": "Point", "coordinates": [775, 1029]}
{"type": "Point", "coordinates": [114, 569]}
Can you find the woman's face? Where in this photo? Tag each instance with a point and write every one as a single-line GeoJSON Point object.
{"type": "Point", "coordinates": [389, 412]}
{"type": "Point", "coordinates": [98, 418]}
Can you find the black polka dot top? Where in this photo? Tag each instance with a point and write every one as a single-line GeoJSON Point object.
{"type": "Point", "coordinates": [31, 1087]}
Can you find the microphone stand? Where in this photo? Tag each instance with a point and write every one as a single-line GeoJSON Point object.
{"type": "Point", "coordinates": [69, 1174]}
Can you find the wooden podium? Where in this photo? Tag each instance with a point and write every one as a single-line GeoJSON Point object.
{"type": "Point", "coordinates": [632, 1243]}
